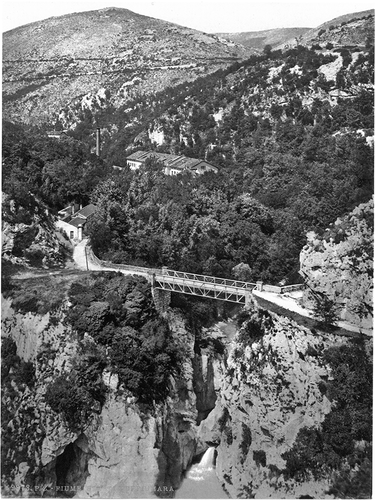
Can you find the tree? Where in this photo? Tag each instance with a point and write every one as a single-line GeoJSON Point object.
{"type": "Point", "coordinates": [267, 49]}
{"type": "Point", "coordinates": [325, 309]}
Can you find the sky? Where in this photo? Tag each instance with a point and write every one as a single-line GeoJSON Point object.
{"type": "Point", "coordinates": [209, 16]}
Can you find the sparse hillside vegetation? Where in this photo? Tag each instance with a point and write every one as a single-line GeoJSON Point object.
{"type": "Point", "coordinates": [101, 58]}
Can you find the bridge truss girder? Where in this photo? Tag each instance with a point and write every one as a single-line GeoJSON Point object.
{"type": "Point", "coordinates": [201, 291]}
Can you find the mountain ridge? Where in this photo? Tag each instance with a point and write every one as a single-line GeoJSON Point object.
{"type": "Point", "coordinates": [314, 34]}
{"type": "Point", "coordinates": [49, 63]}
{"type": "Point", "coordinates": [107, 57]}
{"type": "Point", "coordinates": [257, 40]}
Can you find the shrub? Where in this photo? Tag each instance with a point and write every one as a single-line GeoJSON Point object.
{"type": "Point", "coordinates": [245, 441]}
{"type": "Point", "coordinates": [81, 392]}
{"type": "Point", "coordinates": [259, 457]}
{"type": "Point", "coordinates": [117, 311]}
{"type": "Point", "coordinates": [325, 309]}
{"type": "Point", "coordinates": [145, 360]}
{"type": "Point", "coordinates": [23, 372]}
{"type": "Point", "coordinates": [65, 396]}
{"type": "Point", "coordinates": [259, 322]}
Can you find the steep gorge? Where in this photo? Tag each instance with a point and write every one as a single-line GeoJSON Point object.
{"type": "Point", "coordinates": [250, 400]}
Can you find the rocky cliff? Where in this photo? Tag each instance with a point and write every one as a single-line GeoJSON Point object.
{"type": "Point", "coordinates": [273, 422]}
{"type": "Point", "coordinates": [261, 389]}
{"type": "Point", "coordinates": [124, 449]}
{"type": "Point", "coordinates": [339, 264]}
{"type": "Point", "coordinates": [29, 237]}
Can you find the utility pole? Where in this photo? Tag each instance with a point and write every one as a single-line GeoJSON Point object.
{"type": "Point", "coordinates": [87, 262]}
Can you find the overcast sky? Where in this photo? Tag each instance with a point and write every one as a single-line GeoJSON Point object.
{"type": "Point", "coordinates": [205, 15]}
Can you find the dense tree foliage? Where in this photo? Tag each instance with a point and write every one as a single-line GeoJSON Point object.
{"type": "Point", "coordinates": [117, 312]}
{"type": "Point", "coordinates": [55, 172]}
{"type": "Point", "coordinates": [79, 393]}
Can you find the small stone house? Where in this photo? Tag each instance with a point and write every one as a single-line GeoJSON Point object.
{"type": "Point", "coordinates": [73, 221]}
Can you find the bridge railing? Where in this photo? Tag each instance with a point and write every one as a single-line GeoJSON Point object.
{"type": "Point", "coordinates": [282, 289]}
{"type": "Point", "coordinates": [207, 279]}
{"type": "Point", "coordinates": [292, 288]}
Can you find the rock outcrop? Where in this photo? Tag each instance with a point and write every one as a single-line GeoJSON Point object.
{"type": "Point", "coordinates": [339, 264]}
{"type": "Point", "coordinates": [250, 399]}
{"type": "Point", "coordinates": [270, 391]}
{"type": "Point", "coordinates": [30, 238]}
{"type": "Point", "coordinates": [122, 451]}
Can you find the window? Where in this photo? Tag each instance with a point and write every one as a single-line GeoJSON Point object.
{"type": "Point", "coordinates": [71, 235]}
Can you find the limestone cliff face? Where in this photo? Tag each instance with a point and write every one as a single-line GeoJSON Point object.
{"type": "Point", "coordinates": [122, 452]}
{"type": "Point", "coordinates": [271, 390]}
{"type": "Point", "coordinates": [340, 264]}
{"type": "Point", "coordinates": [29, 238]}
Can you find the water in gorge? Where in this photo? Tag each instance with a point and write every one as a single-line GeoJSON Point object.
{"type": "Point", "coordinates": [201, 480]}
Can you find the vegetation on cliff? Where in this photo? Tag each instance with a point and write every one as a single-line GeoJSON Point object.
{"type": "Point", "coordinates": [17, 380]}
{"type": "Point", "coordinates": [338, 265]}
{"type": "Point", "coordinates": [341, 447]}
{"type": "Point", "coordinates": [118, 313]}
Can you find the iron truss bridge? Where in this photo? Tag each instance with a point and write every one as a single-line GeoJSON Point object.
{"type": "Point", "coordinates": [203, 286]}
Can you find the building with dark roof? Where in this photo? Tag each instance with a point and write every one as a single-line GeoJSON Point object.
{"type": "Point", "coordinates": [173, 164]}
{"type": "Point", "coordinates": [73, 221]}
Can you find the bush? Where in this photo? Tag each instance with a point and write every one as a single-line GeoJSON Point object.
{"type": "Point", "coordinates": [258, 324]}
{"type": "Point", "coordinates": [79, 394]}
{"type": "Point", "coordinates": [23, 372]}
{"type": "Point", "coordinates": [259, 457]}
{"type": "Point", "coordinates": [65, 396]}
{"type": "Point", "coordinates": [325, 309]}
{"type": "Point", "coordinates": [145, 360]}
{"type": "Point", "coordinates": [245, 441]}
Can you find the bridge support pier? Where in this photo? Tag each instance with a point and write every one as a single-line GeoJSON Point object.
{"type": "Point", "coordinates": [162, 299]}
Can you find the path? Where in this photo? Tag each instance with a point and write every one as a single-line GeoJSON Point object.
{"type": "Point", "coordinates": [84, 262]}
{"type": "Point", "coordinates": [291, 303]}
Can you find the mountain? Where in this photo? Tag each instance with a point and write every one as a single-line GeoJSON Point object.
{"type": "Point", "coordinates": [109, 52]}
{"type": "Point", "coordinates": [349, 29]}
{"type": "Point", "coordinates": [257, 40]}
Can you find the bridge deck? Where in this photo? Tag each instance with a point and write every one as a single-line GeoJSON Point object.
{"type": "Point", "coordinates": [191, 283]}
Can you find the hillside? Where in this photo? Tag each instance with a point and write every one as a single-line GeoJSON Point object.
{"type": "Point", "coordinates": [350, 29]}
{"type": "Point", "coordinates": [110, 53]}
{"type": "Point", "coordinates": [257, 40]}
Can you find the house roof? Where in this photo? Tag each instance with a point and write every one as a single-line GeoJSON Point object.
{"type": "Point", "coordinates": [78, 217]}
{"type": "Point", "coordinates": [76, 221]}
{"type": "Point", "coordinates": [86, 211]}
{"type": "Point", "coordinates": [178, 162]}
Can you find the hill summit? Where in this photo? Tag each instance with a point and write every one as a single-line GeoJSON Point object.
{"type": "Point", "coordinates": [50, 63]}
